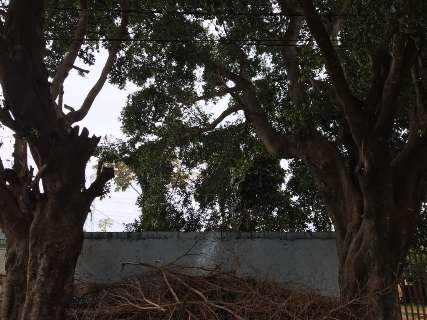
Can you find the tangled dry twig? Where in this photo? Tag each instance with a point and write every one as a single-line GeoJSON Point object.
{"type": "Point", "coordinates": [166, 294]}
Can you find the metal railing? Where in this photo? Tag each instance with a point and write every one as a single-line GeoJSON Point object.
{"type": "Point", "coordinates": [413, 286]}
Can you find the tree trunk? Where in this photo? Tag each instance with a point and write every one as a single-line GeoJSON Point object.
{"type": "Point", "coordinates": [15, 284]}
{"type": "Point", "coordinates": [368, 273]}
{"type": "Point", "coordinates": [54, 250]}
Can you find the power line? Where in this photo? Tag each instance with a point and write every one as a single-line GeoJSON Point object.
{"type": "Point", "coordinates": [262, 42]}
{"type": "Point", "coordinates": [193, 12]}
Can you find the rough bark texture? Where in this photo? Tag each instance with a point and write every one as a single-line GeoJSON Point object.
{"type": "Point", "coordinates": [44, 229]}
{"type": "Point", "coordinates": [50, 270]}
{"type": "Point", "coordinates": [368, 275]}
{"type": "Point", "coordinates": [15, 285]}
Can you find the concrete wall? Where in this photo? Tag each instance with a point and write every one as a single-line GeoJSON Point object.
{"type": "Point", "coordinates": [305, 260]}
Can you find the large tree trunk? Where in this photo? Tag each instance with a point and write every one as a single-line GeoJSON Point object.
{"type": "Point", "coordinates": [15, 285]}
{"type": "Point", "coordinates": [56, 238]}
{"type": "Point", "coordinates": [49, 275]}
{"type": "Point", "coordinates": [369, 271]}
{"type": "Point", "coordinates": [42, 255]}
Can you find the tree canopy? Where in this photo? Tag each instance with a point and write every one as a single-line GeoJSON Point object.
{"type": "Point", "coordinates": [186, 57]}
{"type": "Point", "coordinates": [338, 87]}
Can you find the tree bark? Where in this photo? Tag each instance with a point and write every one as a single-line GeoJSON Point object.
{"type": "Point", "coordinates": [368, 273]}
{"type": "Point", "coordinates": [54, 249]}
{"type": "Point", "coordinates": [15, 285]}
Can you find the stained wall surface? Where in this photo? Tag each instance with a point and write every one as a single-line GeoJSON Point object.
{"type": "Point", "coordinates": [305, 260]}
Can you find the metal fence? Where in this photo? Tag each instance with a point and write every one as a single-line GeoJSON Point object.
{"type": "Point", "coordinates": [413, 286]}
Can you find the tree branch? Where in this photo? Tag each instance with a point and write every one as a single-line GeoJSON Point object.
{"type": "Point", "coordinates": [321, 154]}
{"type": "Point", "coordinates": [350, 105]}
{"type": "Point", "coordinates": [296, 86]}
{"type": "Point", "coordinates": [403, 57]}
{"type": "Point", "coordinates": [381, 65]}
{"type": "Point", "coordinates": [417, 126]}
{"type": "Point", "coordinates": [338, 18]}
{"type": "Point", "coordinates": [70, 57]}
{"type": "Point", "coordinates": [80, 114]}
{"type": "Point", "coordinates": [332, 175]}
{"type": "Point", "coordinates": [80, 69]}
{"type": "Point", "coordinates": [103, 175]}
{"type": "Point", "coordinates": [6, 118]}
{"type": "Point", "coordinates": [333, 64]}
{"type": "Point", "coordinates": [208, 96]}
{"type": "Point", "coordinates": [199, 130]}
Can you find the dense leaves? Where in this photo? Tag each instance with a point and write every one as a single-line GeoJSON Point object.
{"type": "Point", "coordinates": [177, 59]}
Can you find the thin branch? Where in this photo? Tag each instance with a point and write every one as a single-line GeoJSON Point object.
{"type": "Point", "coordinates": [79, 115]}
{"type": "Point", "coordinates": [80, 69]}
{"type": "Point", "coordinates": [70, 57]}
{"type": "Point", "coordinates": [208, 96]}
{"type": "Point", "coordinates": [6, 117]}
{"type": "Point", "coordinates": [198, 130]}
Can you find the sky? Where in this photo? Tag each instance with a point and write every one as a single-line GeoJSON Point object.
{"type": "Point", "coordinates": [102, 120]}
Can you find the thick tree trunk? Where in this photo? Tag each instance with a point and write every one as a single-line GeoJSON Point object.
{"type": "Point", "coordinates": [369, 270]}
{"type": "Point", "coordinates": [15, 285]}
{"type": "Point", "coordinates": [54, 250]}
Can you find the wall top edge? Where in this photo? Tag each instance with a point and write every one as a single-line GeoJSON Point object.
{"type": "Point", "coordinates": [210, 235]}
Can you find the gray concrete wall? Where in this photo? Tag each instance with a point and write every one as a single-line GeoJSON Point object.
{"type": "Point", "coordinates": [306, 260]}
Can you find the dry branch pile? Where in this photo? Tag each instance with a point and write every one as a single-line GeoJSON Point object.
{"type": "Point", "coordinates": [166, 295]}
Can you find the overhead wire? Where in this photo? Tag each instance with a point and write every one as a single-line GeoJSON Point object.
{"type": "Point", "coordinates": [201, 13]}
{"type": "Point", "coordinates": [262, 42]}
{"type": "Point", "coordinates": [185, 12]}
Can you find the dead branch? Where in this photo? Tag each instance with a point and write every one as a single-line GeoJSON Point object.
{"type": "Point", "coordinates": [164, 294]}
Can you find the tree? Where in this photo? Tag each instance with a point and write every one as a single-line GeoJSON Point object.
{"type": "Point", "coordinates": [339, 85]}
{"type": "Point", "coordinates": [104, 224]}
{"type": "Point", "coordinates": [221, 181]}
{"type": "Point", "coordinates": [43, 212]}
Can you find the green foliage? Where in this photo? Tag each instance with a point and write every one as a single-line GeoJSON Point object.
{"type": "Point", "coordinates": [61, 19]}
{"type": "Point", "coordinates": [223, 179]}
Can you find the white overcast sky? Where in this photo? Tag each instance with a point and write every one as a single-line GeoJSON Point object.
{"type": "Point", "coordinates": [103, 120]}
